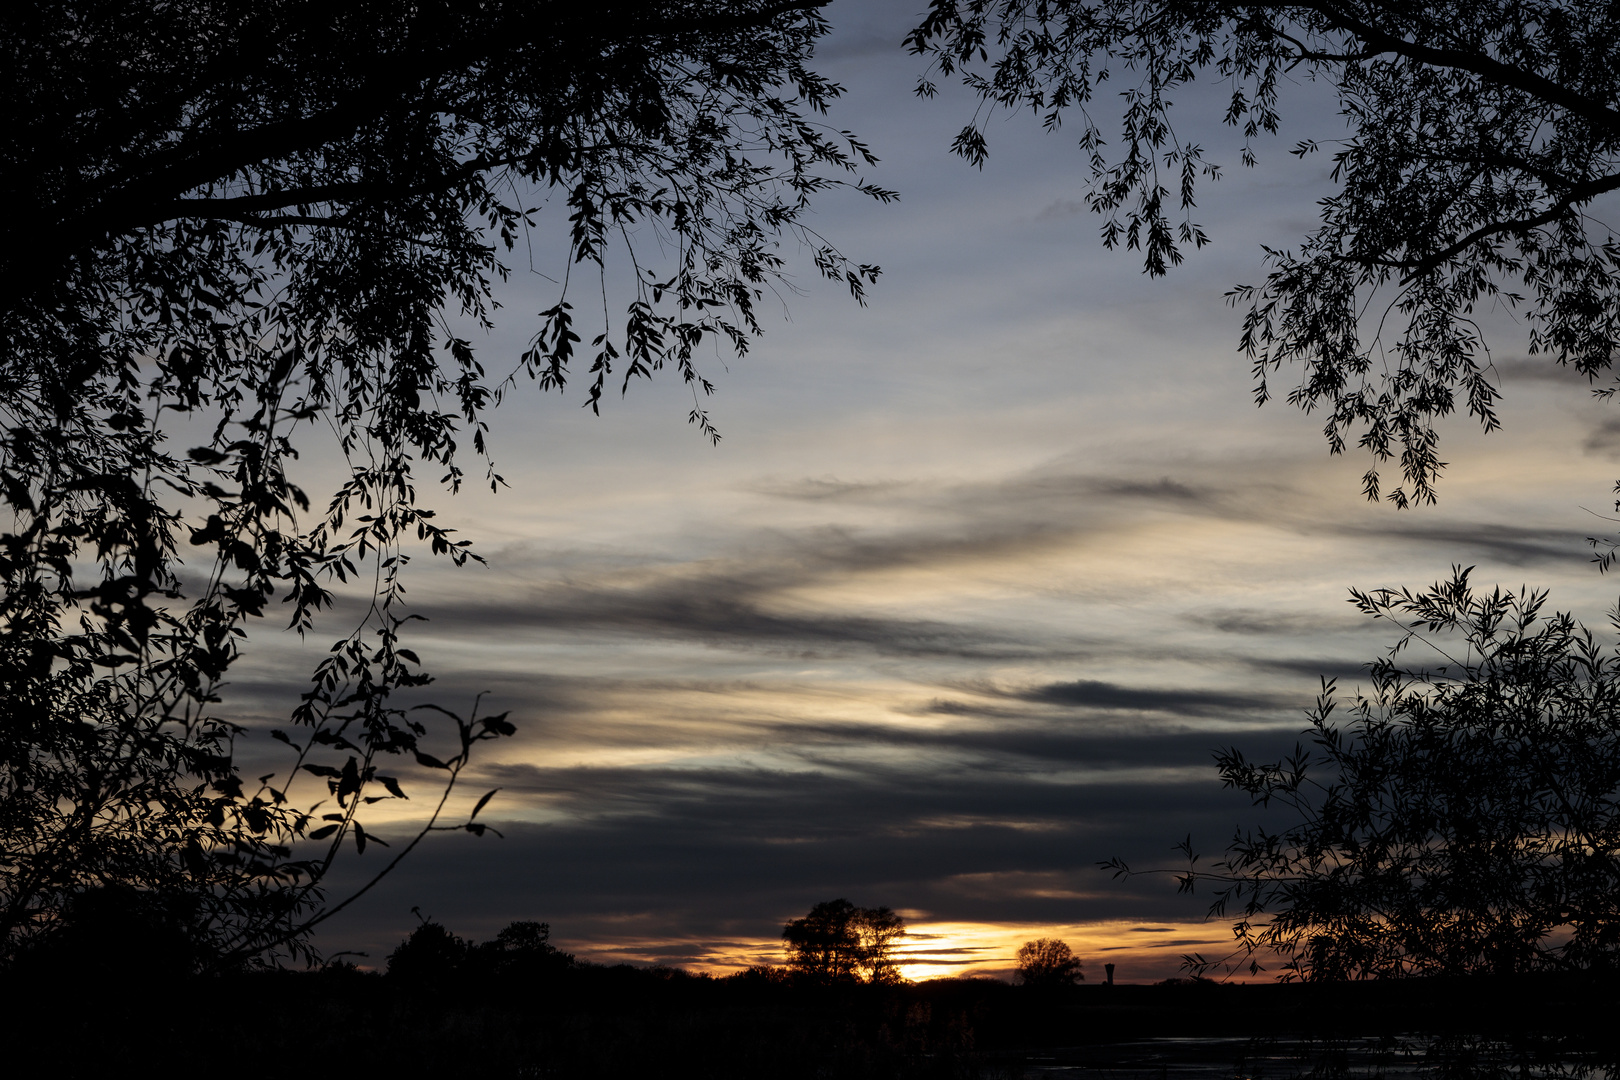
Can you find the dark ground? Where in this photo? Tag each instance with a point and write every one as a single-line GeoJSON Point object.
{"type": "Point", "coordinates": [601, 1022]}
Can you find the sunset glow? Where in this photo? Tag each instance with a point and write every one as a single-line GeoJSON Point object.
{"type": "Point", "coordinates": [934, 950]}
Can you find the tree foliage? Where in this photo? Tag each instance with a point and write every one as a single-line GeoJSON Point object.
{"type": "Point", "coordinates": [839, 941]}
{"type": "Point", "coordinates": [1480, 132]}
{"type": "Point", "coordinates": [522, 951]}
{"type": "Point", "coordinates": [269, 226]}
{"type": "Point", "coordinates": [1047, 962]}
{"type": "Point", "coordinates": [1464, 819]}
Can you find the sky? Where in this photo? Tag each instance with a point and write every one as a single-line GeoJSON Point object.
{"type": "Point", "coordinates": [976, 581]}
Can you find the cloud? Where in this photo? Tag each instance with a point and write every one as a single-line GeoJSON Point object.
{"type": "Point", "coordinates": [1053, 495]}
{"type": "Point", "coordinates": [1348, 673]}
{"type": "Point", "coordinates": [830, 489]}
{"type": "Point", "coordinates": [755, 599]}
{"type": "Point", "coordinates": [764, 592]}
{"type": "Point", "coordinates": [1603, 439]}
{"type": "Point", "coordinates": [1163, 488]}
{"type": "Point", "coordinates": [1096, 694]}
{"type": "Point", "coordinates": [1516, 545]}
{"type": "Point", "coordinates": [724, 608]}
{"type": "Point", "coordinates": [1541, 369]}
{"type": "Point", "coordinates": [1261, 621]}
{"type": "Point", "coordinates": [1061, 210]}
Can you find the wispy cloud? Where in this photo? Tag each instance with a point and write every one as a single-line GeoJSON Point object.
{"type": "Point", "coordinates": [1093, 693]}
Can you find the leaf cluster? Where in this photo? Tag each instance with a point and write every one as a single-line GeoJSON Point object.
{"type": "Point", "coordinates": [1478, 135]}
{"type": "Point", "coordinates": [1464, 819]}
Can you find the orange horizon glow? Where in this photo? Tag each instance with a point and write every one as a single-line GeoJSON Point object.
{"type": "Point", "coordinates": [1142, 952]}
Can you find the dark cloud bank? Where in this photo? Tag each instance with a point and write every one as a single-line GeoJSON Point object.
{"type": "Point", "coordinates": [989, 830]}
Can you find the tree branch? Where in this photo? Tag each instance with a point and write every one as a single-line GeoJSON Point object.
{"type": "Point", "coordinates": [1529, 82]}
{"type": "Point", "coordinates": [1578, 194]}
{"type": "Point", "coordinates": [197, 160]}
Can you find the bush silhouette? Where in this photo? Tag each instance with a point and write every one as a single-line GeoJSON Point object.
{"type": "Point", "coordinates": [1460, 819]}
{"type": "Point", "coordinates": [119, 930]}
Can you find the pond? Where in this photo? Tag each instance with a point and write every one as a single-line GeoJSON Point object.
{"type": "Point", "coordinates": [1402, 1057]}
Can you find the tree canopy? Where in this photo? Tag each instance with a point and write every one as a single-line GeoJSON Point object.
{"type": "Point", "coordinates": [839, 941]}
{"type": "Point", "coordinates": [1048, 962]}
{"type": "Point", "coordinates": [257, 225]}
{"type": "Point", "coordinates": [1479, 135]}
{"type": "Point", "coordinates": [521, 952]}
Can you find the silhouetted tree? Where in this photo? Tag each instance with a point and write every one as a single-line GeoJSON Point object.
{"type": "Point", "coordinates": [1465, 820]}
{"type": "Point", "coordinates": [1048, 962]}
{"type": "Point", "coordinates": [838, 941]}
{"type": "Point", "coordinates": [430, 954]}
{"type": "Point", "coordinates": [824, 943]}
{"type": "Point", "coordinates": [259, 222]}
{"type": "Point", "coordinates": [1479, 132]}
{"type": "Point", "coordinates": [878, 929]}
{"type": "Point", "coordinates": [523, 951]}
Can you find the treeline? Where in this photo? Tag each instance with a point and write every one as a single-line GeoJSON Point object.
{"type": "Point", "coordinates": [522, 951]}
{"type": "Point", "coordinates": [836, 942]}
{"type": "Point", "coordinates": [507, 1008]}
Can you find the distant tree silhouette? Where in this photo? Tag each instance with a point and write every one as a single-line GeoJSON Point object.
{"type": "Point", "coordinates": [1464, 820]}
{"type": "Point", "coordinates": [430, 954]}
{"type": "Point", "coordinates": [521, 952]}
{"type": "Point", "coordinates": [824, 943]}
{"type": "Point", "coordinates": [839, 941]}
{"type": "Point", "coordinates": [878, 930]}
{"type": "Point", "coordinates": [1048, 962]}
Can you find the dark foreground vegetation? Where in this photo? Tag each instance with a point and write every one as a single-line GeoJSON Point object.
{"type": "Point", "coordinates": [581, 1020]}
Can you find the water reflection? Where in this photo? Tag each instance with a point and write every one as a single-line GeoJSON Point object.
{"type": "Point", "coordinates": [1404, 1057]}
